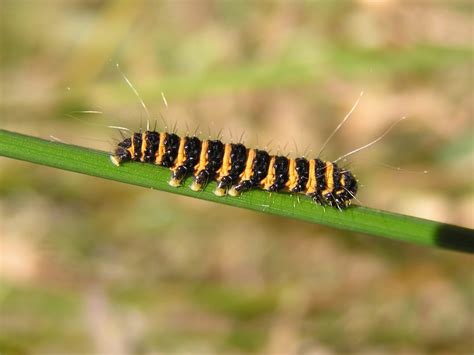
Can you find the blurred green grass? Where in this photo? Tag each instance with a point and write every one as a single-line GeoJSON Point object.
{"type": "Point", "coordinates": [290, 70]}
{"type": "Point", "coordinates": [287, 71]}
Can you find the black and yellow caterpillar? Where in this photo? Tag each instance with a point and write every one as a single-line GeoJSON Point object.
{"type": "Point", "coordinates": [236, 168]}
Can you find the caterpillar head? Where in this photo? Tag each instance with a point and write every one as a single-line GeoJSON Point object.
{"type": "Point", "coordinates": [121, 153]}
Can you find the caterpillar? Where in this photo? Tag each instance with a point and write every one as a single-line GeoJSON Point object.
{"type": "Point", "coordinates": [236, 168]}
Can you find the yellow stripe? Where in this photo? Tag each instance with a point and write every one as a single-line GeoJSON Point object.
{"type": "Point", "coordinates": [181, 156]}
{"type": "Point", "coordinates": [292, 176]}
{"type": "Point", "coordinates": [270, 178]}
{"type": "Point", "coordinates": [143, 147]}
{"type": "Point", "coordinates": [202, 158]}
{"type": "Point", "coordinates": [342, 182]}
{"type": "Point", "coordinates": [311, 184]}
{"type": "Point", "coordinates": [161, 149]}
{"type": "Point", "coordinates": [247, 174]}
{"type": "Point", "coordinates": [329, 179]}
{"type": "Point", "coordinates": [131, 150]}
{"type": "Point", "coordinates": [226, 163]}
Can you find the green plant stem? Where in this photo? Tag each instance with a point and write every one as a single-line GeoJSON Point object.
{"type": "Point", "coordinates": [355, 218]}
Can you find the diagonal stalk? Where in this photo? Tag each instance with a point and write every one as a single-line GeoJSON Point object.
{"type": "Point", "coordinates": [356, 218]}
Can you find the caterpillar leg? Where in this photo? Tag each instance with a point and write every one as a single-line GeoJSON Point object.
{"type": "Point", "coordinates": [181, 172]}
{"type": "Point", "coordinates": [115, 160]}
{"type": "Point", "coordinates": [177, 176]}
{"type": "Point", "coordinates": [224, 184]}
{"type": "Point", "coordinates": [242, 186]}
{"type": "Point", "coordinates": [200, 180]}
{"type": "Point", "coordinates": [317, 198]}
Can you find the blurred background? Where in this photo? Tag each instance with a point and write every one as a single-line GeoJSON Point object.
{"type": "Point", "coordinates": [94, 266]}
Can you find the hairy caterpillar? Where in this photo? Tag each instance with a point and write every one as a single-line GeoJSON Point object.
{"type": "Point", "coordinates": [237, 168]}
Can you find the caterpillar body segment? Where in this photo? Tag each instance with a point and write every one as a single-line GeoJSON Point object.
{"type": "Point", "coordinates": [236, 168]}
